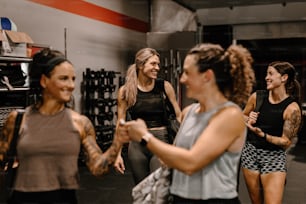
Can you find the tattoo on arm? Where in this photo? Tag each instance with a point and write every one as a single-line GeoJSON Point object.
{"type": "Point", "coordinates": [290, 130]}
{"type": "Point", "coordinates": [97, 161]}
{"type": "Point", "coordinates": [89, 140]}
{"type": "Point", "coordinates": [6, 135]}
{"type": "Point", "coordinates": [291, 126]}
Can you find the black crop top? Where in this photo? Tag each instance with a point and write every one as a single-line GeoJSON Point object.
{"type": "Point", "coordinates": [270, 120]}
{"type": "Point", "coordinates": [149, 107]}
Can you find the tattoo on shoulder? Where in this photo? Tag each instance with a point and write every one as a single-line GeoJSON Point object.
{"type": "Point", "coordinates": [88, 127]}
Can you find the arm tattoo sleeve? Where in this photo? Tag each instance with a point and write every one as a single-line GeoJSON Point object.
{"type": "Point", "coordinates": [97, 161]}
{"type": "Point", "coordinates": [6, 134]}
{"type": "Point", "coordinates": [291, 125]}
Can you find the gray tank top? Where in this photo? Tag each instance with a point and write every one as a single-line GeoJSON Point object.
{"type": "Point", "coordinates": [48, 151]}
{"type": "Point", "coordinates": [218, 179]}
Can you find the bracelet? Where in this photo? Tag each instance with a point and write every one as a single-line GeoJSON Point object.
{"type": "Point", "coordinates": [265, 136]}
{"type": "Point", "coordinates": [145, 139]}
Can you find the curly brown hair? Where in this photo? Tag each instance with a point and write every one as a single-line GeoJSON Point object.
{"type": "Point", "coordinates": [232, 67]}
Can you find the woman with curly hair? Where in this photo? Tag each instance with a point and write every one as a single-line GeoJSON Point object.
{"type": "Point", "coordinates": [206, 154]}
{"type": "Point", "coordinates": [271, 129]}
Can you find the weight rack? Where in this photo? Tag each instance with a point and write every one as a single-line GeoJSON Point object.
{"type": "Point", "coordinates": [99, 104]}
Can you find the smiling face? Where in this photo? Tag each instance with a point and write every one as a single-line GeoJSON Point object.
{"type": "Point", "coordinates": [61, 83]}
{"type": "Point", "coordinates": [192, 78]}
{"type": "Point", "coordinates": [151, 68]}
{"type": "Point", "coordinates": [274, 79]}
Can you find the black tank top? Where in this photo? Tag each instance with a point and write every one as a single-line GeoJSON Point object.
{"type": "Point", "coordinates": [149, 107]}
{"type": "Point", "coordinates": [270, 120]}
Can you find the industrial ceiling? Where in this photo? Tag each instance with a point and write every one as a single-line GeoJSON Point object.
{"type": "Point", "coordinates": [195, 5]}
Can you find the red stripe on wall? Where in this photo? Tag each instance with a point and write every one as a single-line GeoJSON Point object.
{"type": "Point", "coordinates": [92, 11]}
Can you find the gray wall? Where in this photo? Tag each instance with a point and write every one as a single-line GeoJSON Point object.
{"type": "Point", "coordinates": [90, 43]}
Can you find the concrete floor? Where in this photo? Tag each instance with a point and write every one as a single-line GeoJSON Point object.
{"type": "Point", "coordinates": [116, 189]}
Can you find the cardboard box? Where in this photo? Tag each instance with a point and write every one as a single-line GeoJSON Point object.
{"type": "Point", "coordinates": [14, 44]}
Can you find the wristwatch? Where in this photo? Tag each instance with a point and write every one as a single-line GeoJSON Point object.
{"type": "Point", "coordinates": [145, 139]}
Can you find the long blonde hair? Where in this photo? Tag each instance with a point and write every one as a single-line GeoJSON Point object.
{"type": "Point", "coordinates": [131, 79]}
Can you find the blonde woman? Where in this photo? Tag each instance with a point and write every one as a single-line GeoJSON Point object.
{"type": "Point", "coordinates": [141, 97]}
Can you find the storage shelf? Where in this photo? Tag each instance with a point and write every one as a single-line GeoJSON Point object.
{"type": "Point", "coordinates": [19, 95]}
{"type": "Point", "coordinates": [15, 89]}
{"type": "Point", "coordinates": [14, 59]}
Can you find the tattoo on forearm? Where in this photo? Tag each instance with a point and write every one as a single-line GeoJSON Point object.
{"type": "Point", "coordinates": [113, 151]}
{"type": "Point", "coordinates": [97, 161]}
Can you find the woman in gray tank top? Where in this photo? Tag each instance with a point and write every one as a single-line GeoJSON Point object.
{"type": "Point", "coordinates": [205, 157]}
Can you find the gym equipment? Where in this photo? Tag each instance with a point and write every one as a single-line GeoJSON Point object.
{"type": "Point", "coordinates": [98, 102]}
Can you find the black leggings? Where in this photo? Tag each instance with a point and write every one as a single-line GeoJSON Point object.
{"type": "Point", "coordinates": [180, 200]}
{"type": "Point", "coordinates": [44, 197]}
{"type": "Point", "coordinates": [142, 161]}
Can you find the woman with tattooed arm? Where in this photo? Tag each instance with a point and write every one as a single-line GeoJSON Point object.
{"type": "Point", "coordinates": [270, 133]}
{"type": "Point", "coordinates": [51, 136]}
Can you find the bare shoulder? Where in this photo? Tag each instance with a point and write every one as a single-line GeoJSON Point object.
{"type": "Point", "coordinates": [230, 116]}
{"type": "Point", "coordinates": [253, 97]}
{"type": "Point", "coordinates": [292, 107]}
{"type": "Point", "coordinates": [79, 118]}
{"type": "Point", "coordinates": [292, 110]}
{"type": "Point", "coordinates": [231, 111]}
{"type": "Point", "coordinates": [121, 90]}
{"type": "Point", "coordinates": [167, 83]}
{"type": "Point", "coordinates": [121, 99]}
{"type": "Point", "coordinates": [230, 124]}
{"type": "Point", "coordinates": [83, 124]}
{"type": "Point", "coordinates": [251, 103]}
{"type": "Point", "coordinates": [168, 86]}
{"type": "Point", "coordinates": [120, 94]}
{"type": "Point", "coordinates": [75, 115]}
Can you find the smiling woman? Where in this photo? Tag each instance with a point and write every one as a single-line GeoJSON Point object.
{"type": "Point", "coordinates": [142, 97]}
{"type": "Point", "coordinates": [271, 130]}
{"type": "Point", "coordinates": [208, 144]}
{"type": "Point", "coordinates": [51, 136]}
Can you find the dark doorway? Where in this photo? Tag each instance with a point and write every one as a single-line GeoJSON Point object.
{"type": "Point", "coordinates": [219, 34]}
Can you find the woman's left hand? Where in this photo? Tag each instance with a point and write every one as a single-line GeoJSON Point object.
{"type": "Point", "coordinates": [256, 130]}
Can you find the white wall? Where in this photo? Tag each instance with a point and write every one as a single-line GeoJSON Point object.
{"type": "Point", "coordinates": [90, 43]}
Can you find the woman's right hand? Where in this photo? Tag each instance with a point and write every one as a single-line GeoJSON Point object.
{"type": "Point", "coordinates": [119, 164]}
{"type": "Point", "coordinates": [253, 117]}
